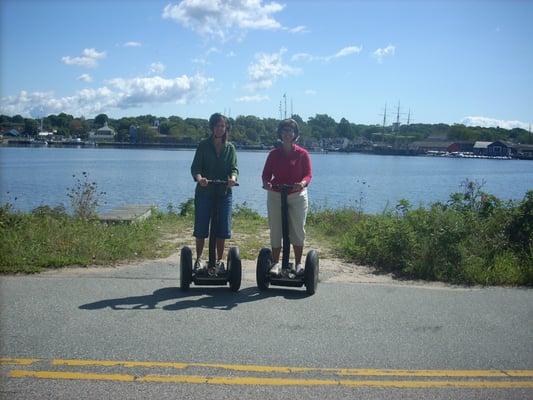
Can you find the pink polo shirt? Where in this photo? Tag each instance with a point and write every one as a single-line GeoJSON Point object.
{"type": "Point", "coordinates": [281, 168]}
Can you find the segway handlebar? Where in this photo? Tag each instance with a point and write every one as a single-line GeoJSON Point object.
{"type": "Point", "coordinates": [220, 182]}
{"type": "Point", "coordinates": [284, 186]}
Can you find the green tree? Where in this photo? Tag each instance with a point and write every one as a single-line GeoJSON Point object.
{"type": "Point", "coordinates": [31, 127]}
{"type": "Point", "coordinates": [100, 120]}
{"type": "Point", "coordinates": [146, 134]}
{"type": "Point", "coordinates": [322, 126]}
{"type": "Point", "coordinates": [344, 129]}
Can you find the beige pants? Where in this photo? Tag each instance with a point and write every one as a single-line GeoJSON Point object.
{"type": "Point", "coordinates": [297, 205]}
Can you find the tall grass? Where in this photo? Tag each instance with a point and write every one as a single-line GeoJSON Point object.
{"type": "Point", "coordinates": [474, 238]}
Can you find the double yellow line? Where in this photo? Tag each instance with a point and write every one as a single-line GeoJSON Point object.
{"type": "Point", "coordinates": [493, 379]}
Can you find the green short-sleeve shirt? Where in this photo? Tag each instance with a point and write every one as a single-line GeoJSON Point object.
{"type": "Point", "coordinates": [209, 165]}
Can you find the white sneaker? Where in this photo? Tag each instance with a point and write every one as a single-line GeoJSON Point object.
{"type": "Point", "coordinates": [198, 266]}
{"type": "Point", "coordinates": [300, 269]}
{"type": "Point", "coordinates": [220, 267]}
{"type": "Point", "coordinates": [276, 269]}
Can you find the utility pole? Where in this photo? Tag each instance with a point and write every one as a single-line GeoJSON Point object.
{"type": "Point", "coordinates": [285, 98]}
{"type": "Point", "coordinates": [280, 111]}
{"type": "Point", "coordinates": [409, 117]}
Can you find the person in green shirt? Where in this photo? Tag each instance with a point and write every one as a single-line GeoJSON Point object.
{"type": "Point", "coordinates": [215, 159]}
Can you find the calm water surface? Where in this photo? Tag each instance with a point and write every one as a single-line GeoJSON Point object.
{"type": "Point", "coordinates": [39, 176]}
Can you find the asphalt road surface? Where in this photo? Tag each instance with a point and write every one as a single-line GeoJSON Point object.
{"type": "Point", "coordinates": [130, 333]}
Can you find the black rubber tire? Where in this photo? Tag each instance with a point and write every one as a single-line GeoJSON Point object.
{"type": "Point", "coordinates": [185, 268]}
{"type": "Point", "coordinates": [311, 272]}
{"type": "Point", "coordinates": [264, 263]}
{"type": "Point", "coordinates": [235, 269]}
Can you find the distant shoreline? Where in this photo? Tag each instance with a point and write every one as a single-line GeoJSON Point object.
{"type": "Point", "coordinates": [259, 148]}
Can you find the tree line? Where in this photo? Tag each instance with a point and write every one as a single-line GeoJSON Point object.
{"type": "Point", "coordinates": [251, 130]}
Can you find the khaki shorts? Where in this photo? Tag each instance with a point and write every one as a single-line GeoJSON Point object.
{"type": "Point", "coordinates": [297, 205]}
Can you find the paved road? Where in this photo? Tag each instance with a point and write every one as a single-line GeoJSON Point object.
{"type": "Point", "coordinates": [130, 333]}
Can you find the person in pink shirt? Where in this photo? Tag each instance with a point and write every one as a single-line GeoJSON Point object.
{"type": "Point", "coordinates": [287, 164]}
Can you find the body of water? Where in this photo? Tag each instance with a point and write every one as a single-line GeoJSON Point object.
{"type": "Point", "coordinates": [30, 177]}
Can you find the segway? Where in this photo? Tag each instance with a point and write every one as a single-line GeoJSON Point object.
{"type": "Point", "coordinates": [288, 276]}
{"type": "Point", "coordinates": [210, 276]}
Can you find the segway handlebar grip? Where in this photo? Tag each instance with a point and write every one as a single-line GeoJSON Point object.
{"type": "Point", "coordinates": [220, 182]}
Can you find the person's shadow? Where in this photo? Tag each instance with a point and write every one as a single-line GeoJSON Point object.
{"type": "Point", "coordinates": [214, 298]}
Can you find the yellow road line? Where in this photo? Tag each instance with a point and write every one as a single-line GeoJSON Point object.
{"type": "Point", "coordinates": [247, 381]}
{"type": "Point", "coordinates": [111, 363]}
{"type": "Point", "coordinates": [288, 370]}
{"type": "Point", "coordinates": [70, 375]}
{"type": "Point", "coordinates": [18, 361]}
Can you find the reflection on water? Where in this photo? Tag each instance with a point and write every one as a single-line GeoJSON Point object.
{"type": "Point", "coordinates": [37, 176]}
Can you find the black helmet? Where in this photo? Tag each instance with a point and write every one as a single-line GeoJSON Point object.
{"type": "Point", "coordinates": [290, 123]}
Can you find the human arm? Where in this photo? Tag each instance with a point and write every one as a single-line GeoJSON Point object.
{"type": "Point", "coordinates": [197, 167]}
{"type": "Point", "coordinates": [266, 176]}
{"type": "Point", "coordinates": [306, 171]}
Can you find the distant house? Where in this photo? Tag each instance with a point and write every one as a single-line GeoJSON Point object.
{"type": "Point", "coordinates": [105, 133]}
{"type": "Point", "coordinates": [12, 133]}
{"type": "Point", "coordinates": [499, 149]}
{"type": "Point", "coordinates": [524, 151]}
{"type": "Point", "coordinates": [480, 148]}
{"type": "Point", "coordinates": [461, 147]}
{"type": "Point", "coordinates": [338, 143]}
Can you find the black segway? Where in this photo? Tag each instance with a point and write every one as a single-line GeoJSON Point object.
{"type": "Point", "coordinates": [210, 276]}
{"type": "Point", "coordinates": [288, 276]}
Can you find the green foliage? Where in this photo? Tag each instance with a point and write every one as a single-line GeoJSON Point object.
{"type": "Point", "coordinates": [475, 238]}
{"type": "Point", "coordinates": [48, 238]}
{"type": "Point", "coordinates": [251, 130]}
{"type": "Point", "coordinates": [244, 212]}
{"type": "Point", "coordinates": [187, 207]}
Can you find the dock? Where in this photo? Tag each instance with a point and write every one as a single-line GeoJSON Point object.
{"type": "Point", "coordinates": [126, 214]}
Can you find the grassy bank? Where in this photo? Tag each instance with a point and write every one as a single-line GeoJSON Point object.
{"type": "Point", "coordinates": [474, 238]}
{"type": "Point", "coordinates": [50, 238]}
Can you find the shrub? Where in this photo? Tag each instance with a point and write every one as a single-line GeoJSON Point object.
{"type": "Point", "coordinates": [84, 197]}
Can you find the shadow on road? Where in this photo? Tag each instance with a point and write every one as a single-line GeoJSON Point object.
{"type": "Point", "coordinates": [214, 298]}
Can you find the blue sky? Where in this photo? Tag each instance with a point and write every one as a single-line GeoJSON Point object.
{"type": "Point", "coordinates": [444, 61]}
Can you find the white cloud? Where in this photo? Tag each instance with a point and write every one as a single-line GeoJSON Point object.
{"type": "Point", "coordinates": [486, 122]}
{"type": "Point", "coordinates": [299, 29]}
{"type": "Point", "coordinates": [88, 59]}
{"type": "Point", "coordinates": [85, 78]}
{"type": "Point", "coordinates": [223, 19]}
{"type": "Point", "coordinates": [267, 69]}
{"type": "Point", "coordinates": [252, 99]}
{"type": "Point", "coordinates": [310, 92]}
{"type": "Point", "coordinates": [118, 93]}
{"type": "Point", "coordinates": [132, 44]}
{"type": "Point", "coordinates": [346, 51]}
{"type": "Point", "coordinates": [379, 54]}
{"type": "Point", "coordinates": [157, 67]}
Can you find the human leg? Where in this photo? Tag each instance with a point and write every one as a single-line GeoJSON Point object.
{"type": "Point", "coordinates": [274, 223]}
{"type": "Point", "coordinates": [202, 214]}
{"type": "Point", "coordinates": [298, 206]}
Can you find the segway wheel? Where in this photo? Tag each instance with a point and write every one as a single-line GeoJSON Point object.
{"type": "Point", "coordinates": [185, 268]}
{"type": "Point", "coordinates": [235, 269]}
{"type": "Point", "coordinates": [311, 272]}
{"type": "Point", "coordinates": [264, 263]}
